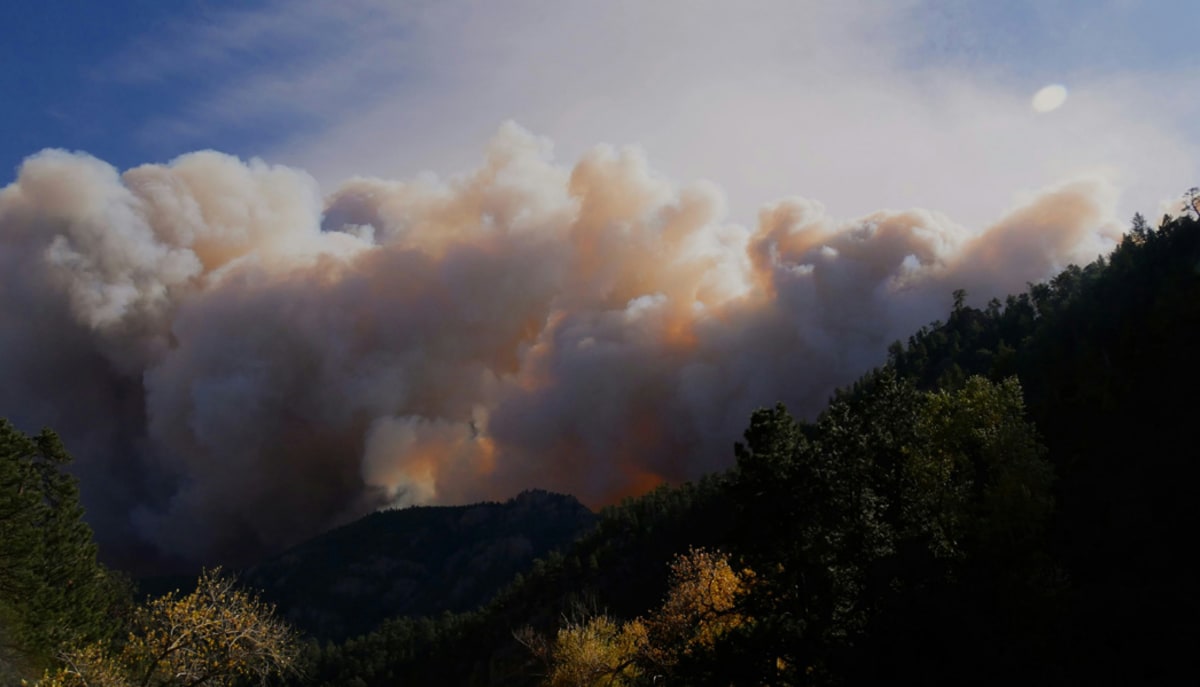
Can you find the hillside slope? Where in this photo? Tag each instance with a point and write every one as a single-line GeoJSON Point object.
{"type": "Point", "coordinates": [414, 561]}
{"type": "Point", "coordinates": [1067, 566]}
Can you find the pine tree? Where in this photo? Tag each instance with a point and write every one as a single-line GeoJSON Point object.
{"type": "Point", "coordinates": [52, 590]}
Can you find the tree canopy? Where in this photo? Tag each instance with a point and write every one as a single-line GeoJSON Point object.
{"type": "Point", "coordinates": [216, 635]}
{"type": "Point", "coordinates": [52, 590]}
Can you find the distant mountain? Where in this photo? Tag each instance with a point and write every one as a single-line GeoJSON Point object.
{"type": "Point", "coordinates": [414, 561]}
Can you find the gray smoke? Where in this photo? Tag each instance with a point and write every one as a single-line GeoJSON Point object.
{"type": "Point", "coordinates": [238, 363]}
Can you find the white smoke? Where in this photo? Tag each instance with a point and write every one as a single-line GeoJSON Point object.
{"type": "Point", "coordinates": [238, 363]}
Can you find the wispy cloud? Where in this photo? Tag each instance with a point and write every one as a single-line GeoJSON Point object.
{"type": "Point", "coordinates": [858, 103]}
{"type": "Point", "coordinates": [284, 63]}
{"type": "Point", "coordinates": [840, 101]}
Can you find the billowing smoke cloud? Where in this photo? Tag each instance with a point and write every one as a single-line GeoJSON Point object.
{"type": "Point", "coordinates": [238, 363]}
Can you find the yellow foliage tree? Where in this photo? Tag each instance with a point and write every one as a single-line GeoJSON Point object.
{"type": "Point", "coordinates": [700, 608]}
{"type": "Point", "coordinates": [217, 635]}
{"type": "Point", "coordinates": [597, 652]}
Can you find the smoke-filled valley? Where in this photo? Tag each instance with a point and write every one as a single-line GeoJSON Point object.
{"type": "Point", "coordinates": [238, 362]}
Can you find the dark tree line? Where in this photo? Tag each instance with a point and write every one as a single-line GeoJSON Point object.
{"type": "Point", "coordinates": [1107, 356]}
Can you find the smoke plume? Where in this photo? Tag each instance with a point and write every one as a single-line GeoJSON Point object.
{"type": "Point", "coordinates": [238, 363]}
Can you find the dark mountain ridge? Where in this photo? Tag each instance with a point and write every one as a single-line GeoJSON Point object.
{"type": "Point", "coordinates": [416, 561]}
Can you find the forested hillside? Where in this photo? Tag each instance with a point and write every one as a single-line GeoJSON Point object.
{"type": "Point", "coordinates": [1107, 357]}
{"type": "Point", "coordinates": [414, 561]}
{"type": "Point", "coordinates": [1007, 501]}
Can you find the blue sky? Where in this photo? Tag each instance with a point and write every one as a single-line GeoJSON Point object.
{"type": "Point", "coordinates": [117, 79]}
{"type": "Point", "coordinates": [394, 88]}
{"type": "Point", "coordinates": [50, 52]}
{"type": "Point", "coordinates": [1030, 38]}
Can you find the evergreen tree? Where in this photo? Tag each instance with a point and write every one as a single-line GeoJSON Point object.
{"type": "Point", "coordinates": [52, 590]}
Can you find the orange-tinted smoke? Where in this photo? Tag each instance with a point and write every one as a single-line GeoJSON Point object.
{"type": "Point", "coordinates": [240, 363]}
